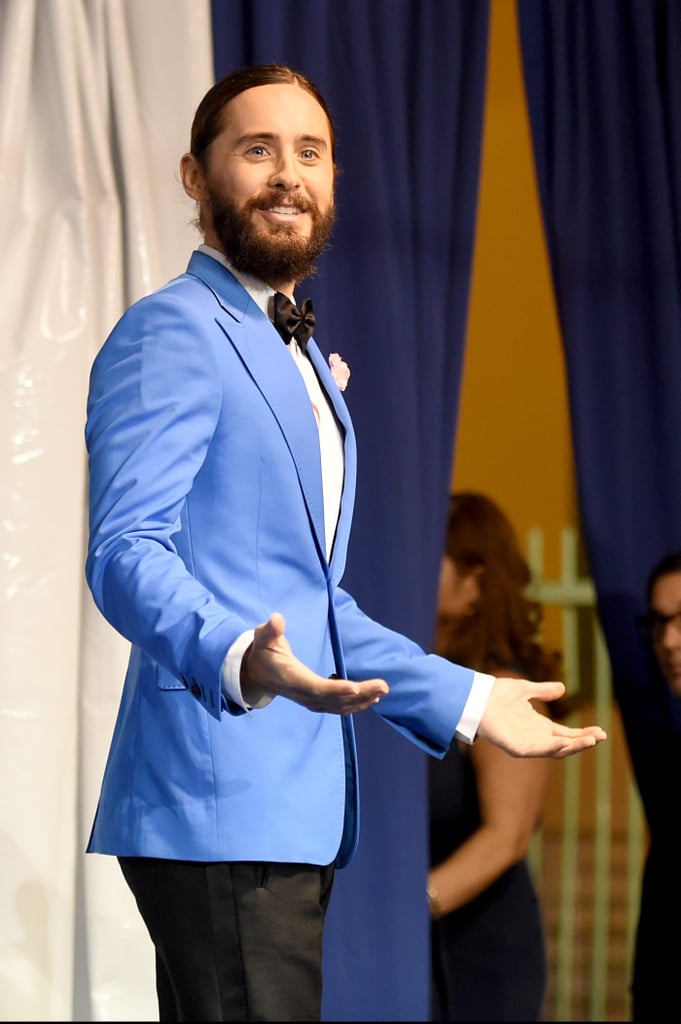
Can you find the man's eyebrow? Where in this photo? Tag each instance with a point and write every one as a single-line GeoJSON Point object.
{"type": "Point", "coordinates": [308, 140]}
{"type": "Point", "coordinates": [314, 140]}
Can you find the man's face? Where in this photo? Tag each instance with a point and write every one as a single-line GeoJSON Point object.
{"type": "Point", "coordinates": [665, 616]}
{"type": "Point", "coordinates": [270, 184]}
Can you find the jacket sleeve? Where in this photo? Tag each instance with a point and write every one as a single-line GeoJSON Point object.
{"type": "Point", "coordinates": [152, 407]}
{"type": "Point", "coordinates": [427, 693]}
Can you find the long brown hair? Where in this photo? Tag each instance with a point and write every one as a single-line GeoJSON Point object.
{"type": "Point", "coordinates": [505, 631]}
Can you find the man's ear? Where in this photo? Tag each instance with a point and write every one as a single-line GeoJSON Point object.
{"type": "Point", "coordinates": [193, 178]}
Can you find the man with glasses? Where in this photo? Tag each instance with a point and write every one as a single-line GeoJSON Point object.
{"type": "Point", "coordinates": [656, 993]}
{"type": "Point", "coordinates": [662, 622]}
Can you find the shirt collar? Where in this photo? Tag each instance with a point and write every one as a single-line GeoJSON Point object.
{"type": "Point", "coordinates": [260, 292]}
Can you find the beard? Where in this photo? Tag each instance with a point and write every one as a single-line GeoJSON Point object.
{"type": "Point", "coordinates": [279, 254]}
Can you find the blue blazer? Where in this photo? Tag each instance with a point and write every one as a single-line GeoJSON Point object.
{"type": "Point", "coordinates": [206, 515]}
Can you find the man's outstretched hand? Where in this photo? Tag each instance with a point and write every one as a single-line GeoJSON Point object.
{"type": "Point", "coordinates": [512, 723]}
{"type": "Point", "coordinates": [271, 669]}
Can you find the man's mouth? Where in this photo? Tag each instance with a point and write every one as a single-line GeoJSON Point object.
{"type": "Point", "coordinates": [672, 667]}
{"type": "Point", "coordinates": [285, 211]}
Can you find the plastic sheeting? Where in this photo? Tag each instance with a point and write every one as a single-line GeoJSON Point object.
{"type": "Point", "coordinates": [96, 100]}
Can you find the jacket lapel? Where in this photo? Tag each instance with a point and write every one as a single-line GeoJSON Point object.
{"type": "Point", "coordinates": [275, 375]}
{"type": "Point", "coordinates": [337, 401]}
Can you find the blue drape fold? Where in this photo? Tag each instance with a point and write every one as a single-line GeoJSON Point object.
{"type": "Point", "coordinates": [405, 82]}
{"type": "Point", "coordinates": [603, 85]}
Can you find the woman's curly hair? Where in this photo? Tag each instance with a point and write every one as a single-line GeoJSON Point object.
{"type": "Point", "coordinates": [505, 630]}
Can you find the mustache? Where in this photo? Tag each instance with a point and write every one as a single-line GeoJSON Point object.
{"type": "Point", "coordinates": [271, 198]}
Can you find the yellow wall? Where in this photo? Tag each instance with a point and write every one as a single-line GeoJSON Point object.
{"type": "Point", "coordinates": [513, 434]}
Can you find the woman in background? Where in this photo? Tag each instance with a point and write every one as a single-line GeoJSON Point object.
{"type": "Point", "coordinates": [488, 947]}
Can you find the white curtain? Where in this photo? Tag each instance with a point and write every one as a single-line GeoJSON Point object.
{"type": "Point", "coordinates": [96, 102]}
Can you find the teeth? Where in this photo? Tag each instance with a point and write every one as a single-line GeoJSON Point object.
{"type": "Point", "coordinates": [286, 210]}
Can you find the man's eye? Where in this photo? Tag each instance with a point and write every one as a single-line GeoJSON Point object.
{"type": "Point", "coordinates": [654, 624]}
{"type": "Point", "coordinates": [309, 154]}
{"type": "Point", "coordinates": [257, 151]}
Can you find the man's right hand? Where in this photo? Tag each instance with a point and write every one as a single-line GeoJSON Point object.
{"type": "Point", "coordinates": [270, 669]}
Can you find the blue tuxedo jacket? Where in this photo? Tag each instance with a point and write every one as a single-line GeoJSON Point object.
{"type": "Point", "coordinates": [206, 515]}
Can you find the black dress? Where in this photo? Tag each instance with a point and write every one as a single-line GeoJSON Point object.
{"type": "Point", "coordinates": [489, 956]}
{"type": "Point", "coordinates": [656, 989]}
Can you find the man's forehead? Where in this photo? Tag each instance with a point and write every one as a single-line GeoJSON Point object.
{"type": "Point", "coordinates": [667, 590]}
{"type": "Point", "coordinates": [276, 107]}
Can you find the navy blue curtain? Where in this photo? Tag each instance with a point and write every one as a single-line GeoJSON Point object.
{"type": "Point", "coordinates": [405, 83]}
{"type": "Point", "coordinates": [603, 81]}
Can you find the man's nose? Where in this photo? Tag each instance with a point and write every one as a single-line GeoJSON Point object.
{"type": "Point", "coordinates": [286, 173]}
{"type": "Point", "coordinates": [671, 635]}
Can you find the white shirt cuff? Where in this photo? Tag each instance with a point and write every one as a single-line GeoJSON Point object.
{"type": "Point", "coordinates": [467, 728]}
{"type": "Point", "coordinates": [231, 673]}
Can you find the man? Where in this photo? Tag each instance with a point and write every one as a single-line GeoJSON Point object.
{"type": "Point", "coordinates": [222, 479]}
{"type": "Point", "coordinates": [655, 988]}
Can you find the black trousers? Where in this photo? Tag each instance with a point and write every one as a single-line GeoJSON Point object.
{"type": "Point", "coordinates": [234, 941]}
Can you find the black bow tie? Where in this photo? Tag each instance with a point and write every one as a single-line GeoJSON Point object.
{"type": "Point", "coordinates": [293, 321]}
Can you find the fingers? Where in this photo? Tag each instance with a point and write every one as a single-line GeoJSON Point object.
{"type": "Point", "coordinates": [363, 696]}
{"type": "Point", "coordinates": [557, 745]}
{"type": "Point", "coordinates": [551, 690]}
{"type": "Point", "coordinates": [572, 741]}
{"type": "Point", "coordinates": [587, 730]}
{"type": "Point", "coordinates": [574, 746]}
{"type": "Point", "coordinates": [268, 632]}
{"type": "Point", "coordinates": [341, 696]}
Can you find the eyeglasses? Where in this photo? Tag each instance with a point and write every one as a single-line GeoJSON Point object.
{"type": "Point", "coordinates": [654, 624]}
